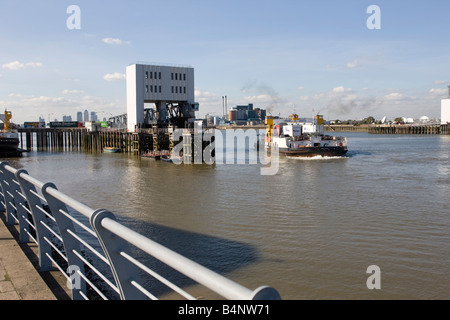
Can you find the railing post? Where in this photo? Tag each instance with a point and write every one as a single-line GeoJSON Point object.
{"type": "Point", "coordinates": [19, 203]}
{"type": "Point", "coordinates": [71, 244]}
{"type": "Point", "coordinates": [39, 218]}
{"type": "Point", "coordinates": [7, 196]}
{"type": "Point", "coordinates": [265, 293]}
{"type": "Point", "coordinates": [123, 270]}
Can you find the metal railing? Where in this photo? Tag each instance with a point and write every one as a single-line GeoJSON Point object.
{"type": "Point", "coordinates": [96, 253]}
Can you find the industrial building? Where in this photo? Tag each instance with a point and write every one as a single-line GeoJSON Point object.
{"type": "Point", "coordinates": [246, 113]}
{"type": "Point", "coordinates": [169, 88]}
{"type": "Point", "coordinates": [445, 109]}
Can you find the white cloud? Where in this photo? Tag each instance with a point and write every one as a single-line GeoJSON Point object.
{"type": "Point", "coordinates": [114, 76]}
{"type": "Point", "coordinates": [440, 82]}
{"type": "Point", "coordinates": [264, 99]}
{"type": "Point", "coordinates": [210, 102]}
{"type": "Point", "coordinates": [341, 89]}
{"type": "Point", "coordinates": [115, 41]}
{"type": "Point", "coordinates": [394, 96]}
{"type": "Point", "coordinates": [353, 64]}
{"type": "Point", "coordinates": [438, 91]}
{"type": "Point", "coordinates": [72, 91]}
{"type": "Point", "coordinates": [206, 95]}
{"type": "Point", "coordinates": [16, 65]}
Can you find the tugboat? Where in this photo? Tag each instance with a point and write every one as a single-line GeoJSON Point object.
{"type": "Point", "coordinates": [302, 139]}
{"type": "Point", "coordinates": [9, 139]}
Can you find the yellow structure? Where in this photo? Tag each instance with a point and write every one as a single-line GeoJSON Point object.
{"type": "Point", "coordinates": [319, 119]}
{"type": "Point", "coordinates": [8, 116]}
{"type": "Point", "coordinates": [269, 127]}
{"type": "Point", "coordinates": [294, 117]}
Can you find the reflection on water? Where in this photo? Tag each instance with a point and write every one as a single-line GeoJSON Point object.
{"type": "Point", "coordinates": [310, 231]}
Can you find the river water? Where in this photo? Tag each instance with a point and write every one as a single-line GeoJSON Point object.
{"type": "Point", "coordinates": [311, 230]}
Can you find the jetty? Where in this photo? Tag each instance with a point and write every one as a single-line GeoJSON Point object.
{"type": "Point", "coordinates": [392, 128]}
{"type": "Point", "coordinates": [80, 139]}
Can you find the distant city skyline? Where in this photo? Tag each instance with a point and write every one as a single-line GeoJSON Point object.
{"type": "Point", "coordinates": [88, 116]}
{"type": "Point", "coordinates": [342, 59]}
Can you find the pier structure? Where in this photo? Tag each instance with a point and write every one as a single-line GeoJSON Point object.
{"type": "Point", "coordinates": [80, 139]}
{"type": "Point", "coordinates": [405, 129]}
{"type": "Point", "coordinates": [345, 128]}
{"type": "Point", "coordinates": [392, 128]}
{"type": "Point", "coordinates": [150, 140]}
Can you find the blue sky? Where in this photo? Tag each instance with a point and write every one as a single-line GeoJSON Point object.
{"type": "Point", "coordinates": [280, 55]}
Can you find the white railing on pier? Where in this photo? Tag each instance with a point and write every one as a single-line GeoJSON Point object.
{"type": "Point", "coordinates": [97, 254]}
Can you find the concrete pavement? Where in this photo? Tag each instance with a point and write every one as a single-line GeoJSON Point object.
{"type": "Point", "coordinates": [19, 278]}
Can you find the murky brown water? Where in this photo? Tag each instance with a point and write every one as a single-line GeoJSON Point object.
{"type": "Point", "coordinates": [310, 231]}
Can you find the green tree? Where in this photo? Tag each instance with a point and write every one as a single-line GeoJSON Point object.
{"type": "Point", "coordinates": [369, 120]}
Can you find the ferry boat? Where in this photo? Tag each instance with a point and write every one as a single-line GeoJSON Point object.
{"type": "Point", "coordinates": [9, 139]}
{"type": "Point", "coordinates": [302, 139]}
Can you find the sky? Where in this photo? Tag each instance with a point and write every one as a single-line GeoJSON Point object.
{"type": "Point", "coordinates": [331, 57]}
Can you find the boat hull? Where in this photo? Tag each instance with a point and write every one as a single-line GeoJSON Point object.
{"type": "Point", "coordinates": [314, 151]}
{"type": "Point", "coordinates": [111, 150]}
{"type": "Point", "coordinates": [9, 144]}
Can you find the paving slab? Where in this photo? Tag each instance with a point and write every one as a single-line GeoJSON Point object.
{"type": "Point", "coordinates": [19, 279]}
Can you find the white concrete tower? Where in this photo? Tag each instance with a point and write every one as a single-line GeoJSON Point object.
{"type": "Point", "coordinates": [445, 109]}
{"type": "Point", "coordinates": [161, 85]}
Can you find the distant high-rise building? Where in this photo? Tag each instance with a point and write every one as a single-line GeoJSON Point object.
{"type": "Point", "coordinates": [80, 116]}
{"type": "Point", "coordinates": [86, 116]}
{"type": "Point", "coordinates": [93, 116]}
